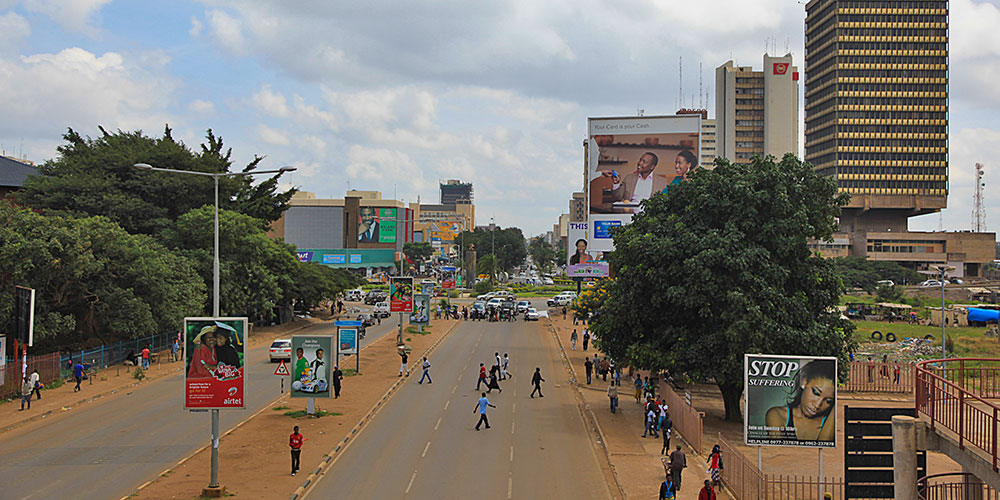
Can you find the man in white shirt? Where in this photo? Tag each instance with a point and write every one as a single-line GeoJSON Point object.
{"type": "Point", "coordinates": [35, 380]}
{"type": "Point", "coordinates": [642, 183]}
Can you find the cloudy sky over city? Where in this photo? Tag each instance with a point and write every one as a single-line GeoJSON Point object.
{"type": "Point", "coordinates": [394, 96]}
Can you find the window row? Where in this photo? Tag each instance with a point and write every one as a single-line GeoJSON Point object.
{"type": "Point", "coordinates": [892, 32]}
{"type": "Point", "coordinates": [898, 115]}
{"type": "Point", "coordinates": [894, 157]}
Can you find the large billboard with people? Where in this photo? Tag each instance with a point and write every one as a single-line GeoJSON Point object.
{"type": "Point", "coordinates": [377, 225]}
{"type": "Point", "coordinates": [790, 401]}
{"type": "Point", "coordinates": [401, 294]}
{"type": "Point", "coordinates": [214, 353]}
{"type": "Point", "coordinates": [311, 366]}
{"type": "Point", "coordinates": [581, 261]}
{"type": "Point", "coordinates": [629, 159]}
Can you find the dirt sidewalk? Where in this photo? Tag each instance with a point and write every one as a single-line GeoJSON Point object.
{"type": "Point", "coordinates": [636, 461]}
{"type": "Point", "coordinates": [116, 380]}
{"type": "Point", "coordinates": [254, 457]}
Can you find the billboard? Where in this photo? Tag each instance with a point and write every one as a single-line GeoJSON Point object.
{"type": "Point", "coordinates": [581, 262]}
{"type": "Point", "coordinates": [790, 401]}
{"type": "Point", "coordinates": [387, 225]}
{"type": "Point", "coordinates": [214, 350]}
{"type": "Point", "coordinates": [337, 258]}
{"type": "Point", "coordinates": [421, 310]}
{"type": "Point", "coordinates": [24, 315]}
{"type": "Point", "coordinates": [376, 225]}
{"type": "Point", "coordinates": [311, 367]}
{"type": "Point", "coordinates": [400, 294]}
{"type": "Point", "coordinates": [445, 230]}
{"type": "Point", "coordinates": [347, 342]}
{"type": "Point", "coordinates": [631, 158]}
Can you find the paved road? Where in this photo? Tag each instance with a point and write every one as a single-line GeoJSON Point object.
{"type": "Point", "coordinates": [423, 444]}
{"type": "Point", "coordinates": [106, 449]}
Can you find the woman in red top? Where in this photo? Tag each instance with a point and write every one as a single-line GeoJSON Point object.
{"type": "Point", "coordinates": [707, 492]}
{"type": "Point", "coordinates": [715, 464]}
{"type": "Point", "coordinates": [203, 359]}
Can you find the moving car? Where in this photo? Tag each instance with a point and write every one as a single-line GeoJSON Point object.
{"type": "Point", "coordinates": [281, 349]}
{"type": "Point", "coordinates": [381, 310]}
{"type": "Point", "coordinates": [523, 306]}
{"type": "Point", "coordinates": [486, 296]}
{"type": "Point", "coordinates": [548, 281]}
{"type": "Point", "coordinates": [366, 320]}
{"type": "Point", "coordinates": [885, 283]}
{"type": "Point", "coordinates": [563, 299]}
{"type": "Point", "coordinates": [375, 296]}
{"type": "Point", "coordinates": [493, 303]}
{"type": "Point", "coordinates": [355, 295]}
{"type": "Point", "coordinates": [930, 284]}
{"type": "Point", "coordinates": [531, 314]}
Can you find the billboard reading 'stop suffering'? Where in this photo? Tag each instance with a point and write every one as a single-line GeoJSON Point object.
{"type": "Point", "coordinates": [632, 158]}
{"type": "Point", "coordinates": [790, 401]}
{"type": "Point", "coordinates": [214, 350]}
{"type": "Point", "coordinates": [311, 367]}
{"type": "Point", "coordinates": [400, 294]}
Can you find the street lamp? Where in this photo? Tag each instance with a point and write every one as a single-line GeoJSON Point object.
{"type": "Point", "coordinates": [493, 250]}
{"type": "Point", "coordinates": [943, 270]}
{"type": "Point", "coordinates": [214, 478]}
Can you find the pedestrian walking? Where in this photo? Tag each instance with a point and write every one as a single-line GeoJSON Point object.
{"type": "Point", "coordinates": [36, 384]}
{"type": "Point", "coordinates": [613, 396]}
{"type": "Point", "coordinates": [402, 368]}
{"type": "Point", "coordinates": [589, 367]}
{"type": "Point", "coordinates": [26, 390]}
{"type": "Point", "coordinates": [667, 491]}
{"type": "Point", "coordinates": [482, 376]}
{"type": "Point", "coordinates": [481, 406]}
{"type": "Point", "coordinates": [426, 365]}
{"type": "Point", "coordinates": [145, 358]}
{"type": "Point", "coordinates": [638, 388]}
{"type": "Point", "coordinates": [678, 461]}
{"type": "Point", "coordinates": [715, 465]}
{"type": "Point", "coordinates": [707, 492]}
{"type": "Point", "coordinates": [504, 374]}
{"type": "Point", "coordinates": [497, 356]}
{"type": "Point", "coordinates": [605, 367]}
{"type": "Point", "coordinates": [572, 340]}
{"type": "Point", "coordinates": [337, 377]}
{"type": "Point", "coordinates": [493, 384]}
{"type": "Point", "coordinates": [295, 443]}
{"type": "Point", "coordinates": [618, 377]}
{"type": "Point", "coordinates": [648, 422]}
{"type": "Point", "coordinates": [537, 380]}
{"type": "Point", "coordinates": [564, 312]}
{"type": "Point", "coordinates": [175, 349]}
{"type": "Point", "coordinates": [586, 338]}
{"type": "Point", "coordinates": [895, 372]}
{"type": "Point", "coordinates": [871, 368]}
{"type": "Point", "coordinates": [78, 375]}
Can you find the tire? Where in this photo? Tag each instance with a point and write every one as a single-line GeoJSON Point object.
{"type": "Point", "coordinates": [928, 337]}
{"type": "Point", "coordinates": [876, 335]}
{"type": "Point", "coordinates": [890, 337]}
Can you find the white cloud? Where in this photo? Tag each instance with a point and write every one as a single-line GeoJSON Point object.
{"type": "Point", "coordinates": [272, 136]}
{"type": "Point", "coordinates": [227, 31]}
{"type": "Point", "coordinates": [271, 102]}
{"type": "Point", "coordinates": [196, 27]}
{"type": "Point", "coordinates": [75, 15]}
{"type": "Point", "coordinates": [15, 29]}
{"type": "Point", "coordinates": [201, 107]}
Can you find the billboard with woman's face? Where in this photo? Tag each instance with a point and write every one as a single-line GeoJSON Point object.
{"type": "Point", "coordinates": [581, 262]}
{"type": "Point", "coordinates": [790, 401]}
{"type": "Point", "coordinates": [214, 353]}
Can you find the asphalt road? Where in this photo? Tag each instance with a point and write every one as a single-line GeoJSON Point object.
{"type": "Point", "coordinates": [423, 444]}
{"type": "Point", "coordinates": [107, 448]}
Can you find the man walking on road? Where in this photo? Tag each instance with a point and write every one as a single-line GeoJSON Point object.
{"type": "Point", "coordinates": [537, 380]}
{"type": "Point", "coordinates": [145, 358]}
{"type": "Point", "coordinates": [678, 461]}
{"type": "Point", "coordinates": [295, 443]}
{"type": "Point", "coordinates": [504, 374]}
{"type": "Point", "coordinates": [482, 376]}
{"type": "Point", "coordinates": [403, 368]}
{"type": "Point", "coordinates": [638, 388]}
{"type": "Point", "coordinates": [78, 375]}
{"type": "Point", "coordinates": [589, 367]}
{"type": "Point", "coordinates": [26, 389]}
{"type": "Point", "coordinates": [481, 406]}
{"type": "Point", "coordinates": [572, 340]}
{"type": "Point", "coordinates": [175, 348]}
{"type": "Point", "coordinates": [337, 377]}
{"type": "Point", "coordinates": [36, 384]}
{"type": "Point", "coordinates": [613, 396]}
{"type": "Point", "coordinates": [426, 365]}
{"type": "Point", "coordinates": [586, 338]}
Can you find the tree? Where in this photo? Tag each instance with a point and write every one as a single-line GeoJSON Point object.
{"type": "Point", "coordinates": [509, 243]}
{"type": "Point", "coordinates": [419, 251]}
{"type": "Point", "coordinates": [859, 272]}
{"type": "Point", "coordinates": [313, 282]}
{"type": "Point", "coordinates": [487, 264]}
{"type": "Point", "coordinates": [97, 177]}
{"type": "Point", "coordinates": [719, 267]}
{"type": "Point", "coordinates": [541, 252]}
{"type": "Point", "coordinates": [92, 279]}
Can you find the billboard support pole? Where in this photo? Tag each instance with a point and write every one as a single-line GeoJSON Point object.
{"type": "Point", "coordinates": [310, 406]}
{"type": "Point", "coordinates": [399, 335]}
{"type": "Point", "coordinates": [820, 482]}
{"type": "Point", "coordinates": [760, 470]}
{"type": "Point", "coordinates": [213, 482]}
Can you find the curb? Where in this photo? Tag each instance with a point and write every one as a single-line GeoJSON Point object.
{"type": "Point", "coordinates": [333, 455]}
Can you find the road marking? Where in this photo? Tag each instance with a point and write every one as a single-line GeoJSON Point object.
{"type": "Point", "coordinates": [453, 389]}
{"type": "Point", "coordinates": [446, 404]}
{"type": "Point", "coordinates": [408, 486]}
{"type": "Point", "coordinates": [513, 408]}
{"type": "Point", "coordinates": [512, 427]}
{"type": "Point", "coordinates": [510, 486]}
{"type": "Point", "coordinates": [437, 424]}
{"type": "Point", "coordinates": [428, 445]}
{"type": "Point", "coordinates": [511, 453]}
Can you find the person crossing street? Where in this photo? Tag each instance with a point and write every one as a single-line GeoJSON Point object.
{"type": "Point", "coordinates": [537, 380]}
{"type": "Point", "coordinates": [426, 365]}
{"type": "Point", "coordinates": [481, 406]}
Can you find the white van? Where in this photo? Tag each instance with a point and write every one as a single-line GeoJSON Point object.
{"type": "Point", "coordinates": [356, 295]}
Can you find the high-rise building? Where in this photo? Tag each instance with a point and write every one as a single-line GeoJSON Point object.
{"type": "Point", "coordinates": [757, 112]}
{"type": "Point", "coordinates": [707, 136]}
{"type": "Point", "coordinates": [578, 207]}
{"type": "Point", "coordinates": [454, 191]}
{"type": "Point", "coordinates": [877, 106]}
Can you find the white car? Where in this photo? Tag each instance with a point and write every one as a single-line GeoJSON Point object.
{"type": "Point", "coordinates": [381, 309]}
{"type": "Point", "coordinates": [531, 314]}
{"type": "Point", "coordinates": [548, 281]}
{"type": "Point", "coordinates": [931, 284]}
{"type": "Point", "coordinates": [493, 303]}
{"type": "Point", "coordinates": [885, 283]}
{"type": "Point", "coordinates": [281, 349]}
{"type": "Point", "coordinates": [486, 296]}
{"type": "Point", "coordinates": [523, 306]}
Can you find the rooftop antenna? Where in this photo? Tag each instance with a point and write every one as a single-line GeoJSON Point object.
{"type": "Point", "coordinates": [978, 210]}
{"type": "Point", "coordinates": [701, 104]}
{"type": "Point", "coordinates": [680, 80]}
{"type": "Point", "coordinates": [786, 45]}
{"type": "Point", "coordinates": [639, 111]}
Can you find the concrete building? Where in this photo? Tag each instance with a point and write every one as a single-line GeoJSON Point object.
{"type": "Point", "coordinates": [454, 191]}
{"type": "Point", "coordinates": [876, 117]}
{"type": "Point", "coordinates": [578, 207]}
{"type": "Point", "coordinates": [441, 224]}
{"type": "Point", "coordinates": [708, 136]}
{"type": "Point", "coordinates": [757, 112]}
{"type": "Point", "coordinates": [13, 172]}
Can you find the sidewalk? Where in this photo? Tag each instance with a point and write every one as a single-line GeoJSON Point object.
{"type": "Point", "coordinates": [113, 381]}
{"type": "Point", "coordinates": [636, 461]}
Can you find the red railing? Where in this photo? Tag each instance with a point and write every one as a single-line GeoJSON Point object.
{"type": "Point", "coordinates": [687, 420]}
{"type": "Point", "coordinates": [746, 482]}
{"type": "Point", "coordinates": [955, 398]}
{"type": "Point", "coordinates": [954, 486]}
{"type": "Point", "coordinates": [879, 377]}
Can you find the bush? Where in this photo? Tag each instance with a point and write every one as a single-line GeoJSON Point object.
{"type": "Point", "coordinates": [482, 287]}
{"type": "Point", "coordinates": [889, 293]}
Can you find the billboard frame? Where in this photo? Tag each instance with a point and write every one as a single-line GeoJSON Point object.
{"type": "Point", "coordinates": [316, 343]}
{"type": "Point", "coordinates": [240, 387]}
{"type": "Point", "coordinates": [788, 380]}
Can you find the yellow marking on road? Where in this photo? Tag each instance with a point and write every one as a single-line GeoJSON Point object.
{"type": "Point", "coordinates": [408, 486]}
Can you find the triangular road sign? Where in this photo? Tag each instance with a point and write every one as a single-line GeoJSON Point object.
{"type": "Point", "coordinates": [282, 370]}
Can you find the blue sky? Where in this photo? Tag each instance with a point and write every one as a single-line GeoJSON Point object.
{"type": "Point", "coordinates": [398, 95]}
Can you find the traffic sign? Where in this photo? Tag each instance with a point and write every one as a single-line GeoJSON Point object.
{"type": "Point", "coordinates": [347, 323]}
{"type": "Point", "coordinates": [448, 269]}
{"type": "Point", "coordinates": [282, 370]}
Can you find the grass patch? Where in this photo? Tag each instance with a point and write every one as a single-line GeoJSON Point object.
{"type": "Point", "coordinates": [966, 341]}
{"type": "Point", "coordinates": [415, 331]}
{"type": "Point", "coordinates": [318, 414]}
{"type": "Point", "coordinates": [279, 408]}
{"type": "Point", "coordinates": [349, 372]}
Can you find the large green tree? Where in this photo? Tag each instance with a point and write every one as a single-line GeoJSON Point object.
{"type": "Point", "coordinates": [418, 251]}
{"type": "Point", "coordinates": [509, 245]}
{"type": "Point", "coordinates": [719, 267]}
{"type": "Point", "coordinates": [94, 282]}
{"type": "Point", "coordinates": [859, 272]}
{"type": "Point", "coordinates": [97, 177]}
{"type": "Point", "coordinates": [541, 252]}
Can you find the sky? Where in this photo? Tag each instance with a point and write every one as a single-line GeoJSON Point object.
{"type": "Point", "coordinates": [395, 96]}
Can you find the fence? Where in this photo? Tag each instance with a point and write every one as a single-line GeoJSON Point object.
{"type": "Point", "coordinates": [746, 482]}
{"type": "Point", "coordinates": [107, 355]}
{"type": "Point", "coordinates": [954, 486]}
{"type": "Point", "coordinates": [879, 377]}
{"type": "Point", "coordinates": [46, 364]}
{"type": "Point", "coordinates": [687, 420]}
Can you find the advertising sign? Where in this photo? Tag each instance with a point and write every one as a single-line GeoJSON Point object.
{"type": "Point", "coordinates": [3, 358]}
{"type": "Point", "coordinates": [387, 225]}
{"type": "Point", "coordinates": [214, 350]}
{"type": "Point", "coordinates": [448, 283]}
{"type": "Point", "coordinates": [355, 258]}
{"type": "Point", "coordinates": [337, 258]}
{"type": "Point", "coordinates": [304, 256]}
{"type": "Point", "coordinates": [400, 294]}
{"type": "Point", "coordinates": [348, 341]}
{"type": "Point", "coordinates": [631, 159]}
{"type": "Point", "coordinates": [790, 401]}
{"type": "Point", "coordinates": [581, 262]}
{"type": "Point", "coordinates": [24, 315]}
{"type": "Point", "coordinates": [421, 310]}
{"type": "Point", "coordinates": [311, 367]}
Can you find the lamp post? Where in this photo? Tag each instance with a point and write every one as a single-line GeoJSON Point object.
{"type": "Point", "coordinates": [493, 251]}
{"type": "Point", "coordinates": [214, 478]}
{"type": "Point", "coordinates": [943, 270]}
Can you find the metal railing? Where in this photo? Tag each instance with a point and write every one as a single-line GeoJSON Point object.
{"type": "Point", "coordinates": [112, 354]}
{"type": "Point", "coordinates": [879, 377]}
{"type": "Point", "coordinates": [46, 364]}
{"type": "Point", "coordinates": [954, 486]}
{"type": "Point", "coordinates": [746, 482]}
{"type": "Point", "coordinates": [956, 398]}
{"type": "Point", "coordinates": [686, 418]}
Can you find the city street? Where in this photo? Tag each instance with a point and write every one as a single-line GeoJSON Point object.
{"type": "Point", "coordinates": [423, 444]}
{"type": "Point", "coordinates": [107, 448]}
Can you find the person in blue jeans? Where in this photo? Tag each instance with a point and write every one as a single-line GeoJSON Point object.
{"type": "Point", "coordinates": [78, 375]}
{"type": "Point", "coordinates": [481, 406]}
{"type": "Point", "coordinates": [427, 372]}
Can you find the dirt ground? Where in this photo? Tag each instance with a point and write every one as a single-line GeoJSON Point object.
{"type": "Point", "coordinates": [254, 457]}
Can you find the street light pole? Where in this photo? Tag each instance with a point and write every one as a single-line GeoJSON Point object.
{"type": "Point", "coordinates": [943, 270]}
{"type": "Point", "coordinates": [213, 481]}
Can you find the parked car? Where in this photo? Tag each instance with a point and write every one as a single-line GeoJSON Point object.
{"type": "Point", "coordinates": [548, 281]}
{"type": "Point", "coordinates": [355, 295]}
{"type": "Point", "coordinates": [381, 310]}
{"type": "Point", "coordinates": [375, 296]}
{"type": "Point", "coordinates": [957, 281]}
{"type": "Point", "coordinates": [523, 306]}
{"type": "Point", "coordinates": [885, 283]}
{"type": "Point", "coordinates": [281, 349]}
{"type": "Point", "coordinates": [531, 314]}
{"type": "Point", "coordinates": [560, 300]}
{"type": "Point", "coordinates": [930, 284]}
{"type": "Point", "coordinates": [366, 319]}
{"type": "Point", "coordinates": [493, 303]}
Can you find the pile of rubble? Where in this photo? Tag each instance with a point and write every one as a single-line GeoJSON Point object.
{"type": "Point", "coordinates": [907, 350]}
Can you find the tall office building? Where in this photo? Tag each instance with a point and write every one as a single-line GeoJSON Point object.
{"type": "Point", "coordinates": [877, 106]}
{"type": "Point", "coordinates": [757, 112]}
{"type": "Point", "coordinates": [454, 192]}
